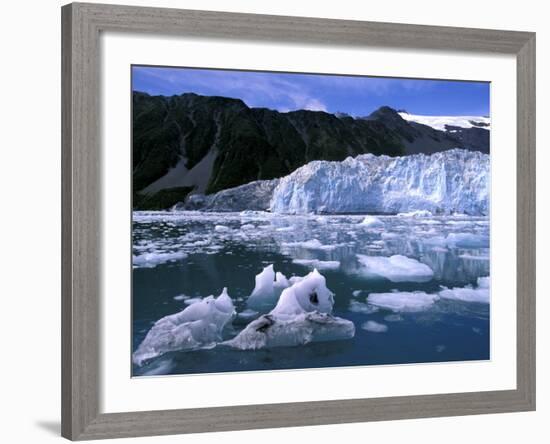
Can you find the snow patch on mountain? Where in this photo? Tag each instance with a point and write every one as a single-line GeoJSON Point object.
{"type": "Point", "coordinates": [441, 122]}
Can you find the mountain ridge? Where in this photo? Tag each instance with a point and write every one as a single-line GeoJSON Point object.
{"type": "Point", "coordinates": [206, 144]}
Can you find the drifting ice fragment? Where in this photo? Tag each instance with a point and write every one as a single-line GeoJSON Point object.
{"type": "Point", "coordinates": [372, 222]}
{"type": "Point", "coordinates": [468, 293]}
{"type": "Point", "coordinates": [302, 315]}
{"type": "Point", "coordinates": [396, 268]}
{"type": "Point", "coordinates": [403, 301]}
{"type": "Point", "coordinates": [374, 327]}
{"type": "Point", "coordinates": [198, 326]}
{"type": "Point", "coordinates": [315, 263]}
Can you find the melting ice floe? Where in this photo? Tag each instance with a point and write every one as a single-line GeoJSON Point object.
{"type": "Point", "coordinates": [198, 326]}
{"type": "Point", "coordinates": [413, 301]}
{"type": "Point", "coordinates": [302, 315]}
{"type": "Point", "coordinates": [396, 268]}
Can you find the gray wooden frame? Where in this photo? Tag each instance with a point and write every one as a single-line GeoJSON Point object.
{"type": "Point", "coordinates": [81, 26]}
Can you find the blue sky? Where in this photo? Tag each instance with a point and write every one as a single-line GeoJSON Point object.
{"type": "Point", "coordinates": [357, 96]}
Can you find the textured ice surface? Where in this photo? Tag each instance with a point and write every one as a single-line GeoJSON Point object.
{"type": "Point", "coordinates": [198, 326]}
{"type": "Point", "coordinates": [403, 301]}
{"type": "Point", "coordinates": [454, 181]}
{"type": "Point", "coordinates": [374, 327]}
{"type": "Point", "coordinates": [396, 268]}
{"type": "Point", "coordinates": [302, 315]}
{"type": "Point", "coordinates": [267, 290]}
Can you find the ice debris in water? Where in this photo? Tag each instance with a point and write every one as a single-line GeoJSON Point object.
{"type": "Point", "coordinates": [318, 264]}
{"type": "Point", "coordinates": [412, 301]}
{"type": "Point", "coordinates": [374, 327]}
{"type": "Point", "coordinates": [467, 240]}
{"type": "Point", "coordinates": [469, 294]}
{"type": "Point", "coordinates": [395, 268]}
{"type": "Point", "coordinates": [403, 301]}
{"type": "Point", "coordinates": [198, 326]}
{"type": "Point", "coordinates": [416, 213]}
{"type": "Point", "coordinates": [372, 222]}
{"type": "Point", "coordinates": [302, 315]}
{"type": "Point", "coordinates": [268, 288]}
{"type": "Point", "coordinates": [151, 260]}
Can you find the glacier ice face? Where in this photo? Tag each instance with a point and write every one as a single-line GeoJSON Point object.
{"type": "Point", "coordinates": [302, 315]}
{"type": "Point", "coordinates": [198, 326]}
{"type": "Point", "coordinates": [454, 181]}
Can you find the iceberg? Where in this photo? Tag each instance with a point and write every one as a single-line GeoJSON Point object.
{"type": "Point", "coordinates": [318, 264]}
{"type": "Point", "coordinates": [302, 315]}
{"type": "Point", "coordinates": [200, 325]}
{"type": "Point", "coordinates": [268, 288]}
{"type": "Point", "coordinates": [454, 181]}
{"type": "Point", "coordinates": [395, 268]}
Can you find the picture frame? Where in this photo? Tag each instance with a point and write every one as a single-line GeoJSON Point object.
{"type": "Point", "coordinates": [82, 24]}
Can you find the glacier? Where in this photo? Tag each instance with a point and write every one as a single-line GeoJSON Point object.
{"type": "Point", "coordinates": [443, 183]}
{"type": "Point", "coordinates": [454, 181]}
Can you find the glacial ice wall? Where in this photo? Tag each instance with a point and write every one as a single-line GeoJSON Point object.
{"type": "Point", "coordinates": [454, 181]}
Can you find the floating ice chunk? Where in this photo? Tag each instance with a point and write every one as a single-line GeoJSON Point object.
{"type": "Point", "coordinates": [269, 331]}
{"type": "Point", "coordinates": [417, 213]}
{"type": "Point", "coordinates": [318, 264]}
{"type": "Point", "coordinates": [361, 307]}
{"type": "Point", "coordinates": [396, 268]}
{"type": "Point", "coordinates": [267, 290]}
{"type": "Point", "coordinates": [403, 301]}
{"type": "Point", "coordinates": [181, 297]}
{"type": "Point", "coordinates": [468, 293]}
{"type": "Point", "coordinates": [302, 315]}
{"type": "Point", "coordinates": [151, 260]}
{"type": "Point", "coordinates": [313, 244]}
{"type": "Point", "coordinates": [374, 327]}
{"type": "Point", "coordinates": [198, 326]}
{"type": "Point", "coordinates": [247, 227]}
{"type": "Point", "coordinates": [372, 222]}
{"type": "Point", "coordinates": [467, 240]}
{"type": "Point", "coordinates": [356, 293]}
{"type": "Point", "coordinates": [221, 228]}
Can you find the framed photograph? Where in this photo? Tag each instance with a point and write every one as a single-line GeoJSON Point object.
{"type": "Point", "coordinates": [278, 221]}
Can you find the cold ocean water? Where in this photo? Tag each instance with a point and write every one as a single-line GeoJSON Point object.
{"type": "Point", "coordinates": [413, 285]}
